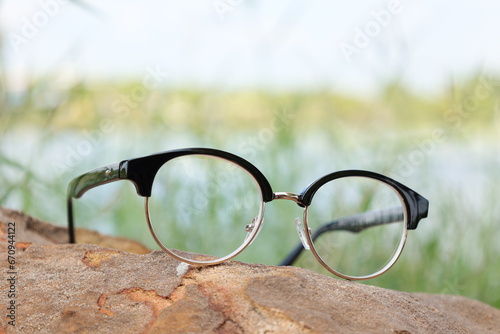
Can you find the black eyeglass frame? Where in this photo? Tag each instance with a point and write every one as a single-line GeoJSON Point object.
{"type": "Point", "coordinates": [142, 171]}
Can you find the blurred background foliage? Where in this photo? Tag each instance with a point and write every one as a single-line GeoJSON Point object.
{"type": "Point", "coordinates": [445, 146]}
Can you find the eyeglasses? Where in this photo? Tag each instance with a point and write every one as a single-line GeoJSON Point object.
{"type": "Point", "coordinates": [201, 200]}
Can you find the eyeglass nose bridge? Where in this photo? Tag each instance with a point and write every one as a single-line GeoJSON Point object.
{"type": "Point", "coordinates": [300, 228]}
{"type": "Point", "coordinates": [289, 196]}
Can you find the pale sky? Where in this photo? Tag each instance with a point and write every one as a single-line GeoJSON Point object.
{"type": "Point", "coordinates": [350, 46]}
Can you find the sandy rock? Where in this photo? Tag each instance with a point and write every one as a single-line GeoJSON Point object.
{"type": "Point", "coordinates": [86, 288]}
{"type": "Point", "coordinates": [32, 230]}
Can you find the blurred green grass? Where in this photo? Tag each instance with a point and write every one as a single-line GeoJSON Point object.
{"type": "Point", "coordinates": [49, 136]}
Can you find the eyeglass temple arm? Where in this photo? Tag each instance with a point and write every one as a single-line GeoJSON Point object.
{"type": "Point", "coordinates": [355, 224]}
{"type": "Point", "coordinates": [79, 185]}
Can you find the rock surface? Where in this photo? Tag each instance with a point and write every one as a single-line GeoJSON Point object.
{"type": "Point", "coordinates": [86, 288]}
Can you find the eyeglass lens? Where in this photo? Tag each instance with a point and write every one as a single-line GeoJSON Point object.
{"type": "Point", "coordinates": [203, 204]}
{"type": "Point", "coordinates": [358, 224]}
